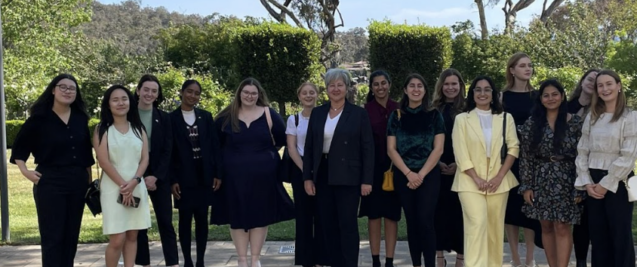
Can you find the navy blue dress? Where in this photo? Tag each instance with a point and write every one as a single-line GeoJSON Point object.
{"type": "Point", "coordinates": [251, 195]}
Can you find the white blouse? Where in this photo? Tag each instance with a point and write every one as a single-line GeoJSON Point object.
{"type": "Point", "coordinates": [299, 131]}
{"type": "Point", "coordinates": [486, 122]}
{"type": "Point", "coordinates": [605, 146]}
{"type": "Point", "coordinates": [328, 132]}
{"type": "Point", "coordinates": [189, 116]}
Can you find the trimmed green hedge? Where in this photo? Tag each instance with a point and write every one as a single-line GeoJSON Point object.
{"type": "Point", "coordinates": [14, 126]}
{"type": "Point", "coordinates": [280, 56]}
{"type": "Point", "coordinates": [404, 49]}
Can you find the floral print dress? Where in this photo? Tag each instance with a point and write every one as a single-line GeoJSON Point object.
{"type": "Point", "coordinates": [551, 181]}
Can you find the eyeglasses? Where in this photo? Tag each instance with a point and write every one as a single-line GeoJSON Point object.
{"type": "Point", "coordinates": [65, 88]}
{"type": "Point", "coordinates": [483, 91]}
{"type": "Point", "coordinates": [246, 93]}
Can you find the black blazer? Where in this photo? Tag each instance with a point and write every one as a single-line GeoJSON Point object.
{"type": "Point", "coordinates": [161, 146]}
{"type": "Point", "coordinates": [351, 156]}
{"type": "Point", "coordinates": [183, 165]}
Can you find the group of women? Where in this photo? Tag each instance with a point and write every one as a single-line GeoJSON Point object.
{"type": "Point", "coordinates": [464, 170]}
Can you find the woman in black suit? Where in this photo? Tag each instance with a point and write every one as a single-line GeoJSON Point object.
{"type": "Point", "coordinates": [195, 169]}
{"type": "Point", "coordinates": [148, 96]}
{"type": "Point", "coordinates": [338, 165]}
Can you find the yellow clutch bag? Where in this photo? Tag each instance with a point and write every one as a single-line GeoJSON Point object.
{"type": "Point", "coordinates": [388, 180]}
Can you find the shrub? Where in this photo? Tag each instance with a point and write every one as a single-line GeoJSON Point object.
{"type": "Point", "coordinates": [404, 49]}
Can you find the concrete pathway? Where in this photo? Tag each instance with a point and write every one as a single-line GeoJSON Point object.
{"type": "Point", "coordinates": [221, 254]}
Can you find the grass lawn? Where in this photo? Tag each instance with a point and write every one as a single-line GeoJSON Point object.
{"type": "Point", "coordinates": [24, 224]}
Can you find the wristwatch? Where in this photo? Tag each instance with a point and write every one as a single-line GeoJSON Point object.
{"type": "Point", "coordinates": [139, 179]}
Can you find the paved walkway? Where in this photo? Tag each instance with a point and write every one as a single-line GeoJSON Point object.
{"type": "Point", "coordinates": [220, 254]}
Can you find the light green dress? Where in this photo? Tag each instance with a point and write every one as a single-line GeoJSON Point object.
{"type": "Point", "coordinates": [124, 152]}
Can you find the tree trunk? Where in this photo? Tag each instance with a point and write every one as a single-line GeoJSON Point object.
{"type": "Point", "coordinates": [546, 12]}
{"type": "Point", "coordinates": [483, 20]}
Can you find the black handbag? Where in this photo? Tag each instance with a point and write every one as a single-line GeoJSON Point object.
{"type": "Point", "coordinates": [92, 197]}
{"type": "Point", "coordinates": [505, 149]}
{"type": "Point", "coordinates": [287, 165]}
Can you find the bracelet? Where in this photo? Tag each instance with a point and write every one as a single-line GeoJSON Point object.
{"type": "Point", "coordinates": [408, 173]}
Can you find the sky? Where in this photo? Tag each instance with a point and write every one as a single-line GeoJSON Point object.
{"type": "Point", "coordinates": [357, 13]}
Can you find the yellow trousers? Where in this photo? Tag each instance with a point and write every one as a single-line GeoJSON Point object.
{"type": "Point", "coordinates": [483, 228]}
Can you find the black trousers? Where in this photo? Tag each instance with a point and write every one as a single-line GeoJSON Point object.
{"type": "Point", "coordinates": [610, 225]}
{"type": "Point", "coordinates": [59, 201]}
{"type": "Point", "coordinates": [581, 237]}
{"type": "Point", "coordinates": [309, 249]}
{"type": "Point", "coordinates": [162, 204]}
{"type": "Point", "coordinates": [186, 214]}
{"type": "Point", "coordinates": [337, 211]}
{"type": "Point", "coordinates": [420, 208]}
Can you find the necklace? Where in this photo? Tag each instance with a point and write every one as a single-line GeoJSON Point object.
{"type": "Point", "coordinates": [335, 109]}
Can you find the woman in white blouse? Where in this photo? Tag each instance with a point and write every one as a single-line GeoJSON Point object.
{"type": "Point", "coordinates": [308, 250]}
{"type": "Point", "coordinates": [607, 152]}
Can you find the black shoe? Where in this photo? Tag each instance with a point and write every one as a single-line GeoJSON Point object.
{"type": "Point", "coordinates": [580, 263]}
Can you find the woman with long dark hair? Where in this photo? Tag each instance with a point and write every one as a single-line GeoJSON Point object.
{"type": "Point", "coordinates": [548, 141]}
{"type": "Point", "coordinates": [57, 135]}
{"type": "Point", "coordinates": [380, 205]}
{"type": "Point", "coordinates": [579, 103]}
{"type": "Point", "coordinates": [449, 99]}
{"type": "Point", "coordinates": [606, 157]}
{"type": "Point", "coordinates": [149, 96]}
{"type": "Point", "coordinates": [415, 142]}
{"type": "Point", "coordinates": [121, 145]}
{"type": "Point", "coordinates": [483, 176]}
{"type": "Point", "coordinates": [517, 99]}
{"type": "Point", "coordinates": [251, 133]}
{"type": "Point", "coordinates": [195, 169]}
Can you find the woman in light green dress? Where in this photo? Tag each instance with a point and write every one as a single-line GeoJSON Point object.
{"type": "Point", "coordinates": [122, 150]}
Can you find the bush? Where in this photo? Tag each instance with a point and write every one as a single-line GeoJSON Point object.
{"type": "Point", "coordinates": [404, 49]}
{"type": "Point", "coordinates": [280, 56]}
{"type": "Point", "coordinates": [567, 76]}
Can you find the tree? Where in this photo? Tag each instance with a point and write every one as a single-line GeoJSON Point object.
{"type": "Point", "coordinates": [353, 45]}
{"type": "Point", "coordinates": [511, 10]}
{"type": "Point", "coordinates": [320, 16]}
{"type": "Point", "coordinates": [483, 20]}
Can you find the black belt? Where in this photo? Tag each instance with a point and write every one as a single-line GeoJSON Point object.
{"type": "Point", "coordinates": [555, 158]}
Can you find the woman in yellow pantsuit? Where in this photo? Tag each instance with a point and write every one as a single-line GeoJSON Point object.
{"type": "Point", "coordinates": [483, 179]}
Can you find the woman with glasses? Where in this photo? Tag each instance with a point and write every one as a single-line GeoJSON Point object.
{"type": "Point", "coordinates": [57, 135]}
{"type": "Point", "coordinates": [483, 177]}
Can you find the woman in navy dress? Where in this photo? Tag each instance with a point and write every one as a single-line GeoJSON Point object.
{"type": "Point", "coordinates": [251, 134]}
{"type": "Point", "coordinates": [449, 99]}
{"type": "Point", "coordinates": [380, 204]}
{"type": "Point", "coordinates": [517, 99]}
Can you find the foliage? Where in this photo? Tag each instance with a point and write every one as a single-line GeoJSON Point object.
{"type": "Point", "coordinates": [280, 56]}
{"type": "Point", "coordinates": [405, 49]}
{"type": "Point", "coordinates": [353, 45]}
{"type": "Point", "coordinates": [567, 76]}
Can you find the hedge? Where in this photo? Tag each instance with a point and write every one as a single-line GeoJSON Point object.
{"type": "Point", "coordinates": [280, 56]}
{"type": "Point", "coordinates": [404, 49]}
{"type": "Point", "coordinates": [14, 126]}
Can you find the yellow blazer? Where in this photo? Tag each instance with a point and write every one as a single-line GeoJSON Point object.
{"type": "Point", "coordinates": [469, 148]}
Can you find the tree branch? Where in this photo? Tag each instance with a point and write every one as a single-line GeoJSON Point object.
{"type": "Point", "coordinates": [546, 13]}
{"type": "Point", "coordinates": [284, 10]}
{"type": "Point", "coordinates": [272, 12]}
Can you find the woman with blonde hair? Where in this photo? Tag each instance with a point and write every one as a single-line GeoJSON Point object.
{"type": "Point", "coordinates": [449, 99]}
{"type": "Point", "coordinates": [517, 99]}
{"type": "Point", "coordinates": [309, 248]}
{"type": "Point", "coordinates": [606, 157]}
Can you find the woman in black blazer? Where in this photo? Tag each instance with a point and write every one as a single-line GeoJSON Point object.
{"type": "Point", "coordinates": [195, 169]}
{"type": "Point", "coordinates": [148, 96]}
{"type": "Point", "coordinates": [337, 167]}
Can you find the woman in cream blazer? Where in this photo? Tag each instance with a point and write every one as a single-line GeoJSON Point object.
{"type": "Point", "coordinates": [483, 179]}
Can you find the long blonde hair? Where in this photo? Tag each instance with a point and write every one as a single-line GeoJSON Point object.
{"type": "Point", "coordinates": [598, 107]}
{"type": "Point", "coordinates": [439, 96]}
{"type": "Point", "coordinates": [230, 114]}
{"type": "Point", "coordinates": [513, 60]}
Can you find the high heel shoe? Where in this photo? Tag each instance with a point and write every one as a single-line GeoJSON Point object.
{"type": "Point", "coordinates": [444, 260]}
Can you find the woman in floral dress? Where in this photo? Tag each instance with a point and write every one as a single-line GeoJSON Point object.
{"type": "Point", "coordinates": [548, 141]}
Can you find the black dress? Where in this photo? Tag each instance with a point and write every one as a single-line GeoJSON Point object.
{"type": "Point", "coordinates": [380, 203]}
{"type": "Point", "coordinates": [449, 223]}
{"type": "Point", "coordinates": [251, 195]}
{"type": "Point", "coordinates": [519, 104]}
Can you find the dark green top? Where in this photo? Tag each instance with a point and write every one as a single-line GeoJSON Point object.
{"type": "Point", "coordinates": [147, 119]}
{"type": "Point", "coordinates": [415, 132]}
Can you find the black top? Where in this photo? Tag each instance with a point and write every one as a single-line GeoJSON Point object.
{"type": "Point", "coordinates": [448, 156]}
{"type": "Point", "coordinates": [415, 132]}
{"type": "Point", "coordinates": [351, 156]}
{"type": "Point", "coordinates": [160, 146]}
{"type": "Point", "coordinates": [519, 104]}
{"type": "Point", "coordinates": [574, 106]}
{"type": "Point", "coordinates": [54, 143]}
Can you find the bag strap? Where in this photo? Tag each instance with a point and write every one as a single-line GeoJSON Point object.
{"type": "Point", "coordinates": [269, 119]}
{"type": "Point", "coordinates": [504, 137]}
{"type": "Point", "coordinates": [296, 120]}
{"type": "Point", "coordinates": [398, 110]}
